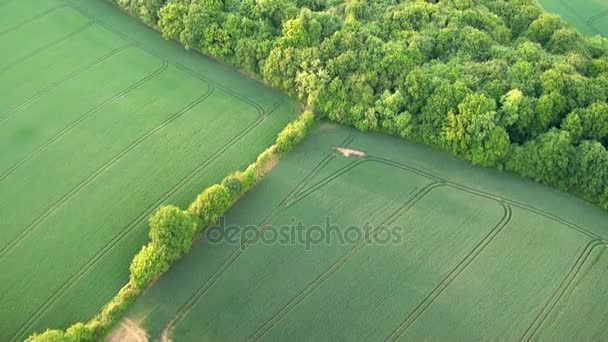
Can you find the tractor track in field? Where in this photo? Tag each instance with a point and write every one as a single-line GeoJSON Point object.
{"type": "Point", "coordinates": [459, 268]}
{"type": "Point", "coordinates": [106, 166]}
{"type": "Point", "coordinates": [596, 17]}
{"type": "Point", "coordinates": [86, 115]}
{"type": "Point", "coordinates": [186, 180]}
{"type": "Point", "coordinates": [61, 81]}
{"type": "Point", "coordinates": [47, 46]}
{"type": "Point", "coordinates": [436, 180]}
{"type": "Point", "coordinates": [580, 17]}
{"type": "Point", "coordinates": [238, 251]}
{"type": "Point", "coordinates": [554, 218]}
{"type": "Point", "coordinates": [95, 259]}
{"type": "Point", "coordinates": [313, 188]}
{"type": "Point", "coordinates": [510, 202]}
{"type": "Point", "coordinates": [319, 280]}
{"type": "Point", "coordinates": [30, 20]}
{"type": "Point", "coordinates": [452, 275]}
{"type": "Point", "coordinates": [135, 43]}
{"type": "Point", "coordinates": [565, 285]}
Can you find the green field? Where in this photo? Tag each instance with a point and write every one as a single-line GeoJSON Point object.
{"type": "Point", "coordinates": [483, 255]}
{"type": "Point", "coordinates": [588, 16]}
{"type": "Point", "coordinates": [102, 121]}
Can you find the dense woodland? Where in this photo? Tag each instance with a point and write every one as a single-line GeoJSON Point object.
{"type": "Point", "coordinates": [499, 83]}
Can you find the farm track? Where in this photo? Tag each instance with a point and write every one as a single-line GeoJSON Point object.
{"type": "Point", "coordinates": [201, 167]}
{"type": "Point", "coordinates": [47, 46]}
{"type": "Point", "coordinates": [99, 256]}
{"type": "Point", "coordinates": [453, 274]}
{"type": "Point", "coordinates": [562, 289]}
{"type": "Point", "coordinates": [61, 81]}
{"type": "Point", "coordinates": [140, 219]}
{"type": "Point", "coordinates": [343, 260]}
{"type": "Point", "coordinates": [87, 114]}
{"type": "Point", "coordinates": [505, 203]}
{"type": "Point", "coordinates": [32, 19]}
{"type": "Point", "coordinates": [135, 43]}
{"type": "Point", "coordinates": [166, 63]}
{"type": "Point", "coordinates": [510, 202]}
{"type": "Point", "coordinates": [87, 180]}
{"type": "Point", "coordinates": [472, 254]}
{"type": "Point", "coordinates": [596, 17]}
{"type": "Point", "coordinates": [238, 251]}
{"type": "Point", "coordinates": [323, 183]}
{"type": "Point", "coordinates": [581, 18]}
{"type": "Point", "coordinates": [295, 196]}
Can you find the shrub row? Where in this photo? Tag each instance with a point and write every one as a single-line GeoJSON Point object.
{"type": "Point", "coordinates": [172, 231]}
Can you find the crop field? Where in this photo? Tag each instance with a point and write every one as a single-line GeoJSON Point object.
{"type": "Point", "coordinates": [102, 121]}
{"type": "Point", "coordinates": [589, 16]}
{"type": "Point", "coordinates": [397, 242]}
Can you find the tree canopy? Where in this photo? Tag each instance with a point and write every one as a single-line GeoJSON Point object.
{"type": "Point", "coordinates": [495, 82]}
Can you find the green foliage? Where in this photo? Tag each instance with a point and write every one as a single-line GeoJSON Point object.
{"type": "Point", "coordinates": [147, 10]}
{"type": "Point", "coordinates": [294, 132]}
{"type": "Point", "coordinates": [546, 159]}
{"type": "Point", "coordinates": [234, 186]}
{"type": "Point", "coordinates": [211, 204]}
{"type": "Point", "coordinates": [409, 68]}
{"type": "Point", "coordinates": [171, 19]}
{"type": "Point", "coordinates": [473, 131]}
{"type": "Point", "coordinates": [172, 230]}
{"type": "Point", "coordinates": [147, 264]}
{"type": "Point", "coordinates": [50, 335]}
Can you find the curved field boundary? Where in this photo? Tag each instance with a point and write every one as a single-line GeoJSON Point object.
{"type": "Point", "coordinates": [61, 81]}
{"type": "Point", "coordinates": [269, 324]}
{"type": "Point", "coordinates": [563, 287]}
{"type": "Point", "coordinates": [238, 251]}
{"type": "Point", "coordinates": [75, 123]}
{"type": "Point", "coordinates": [596, 17]}
{"type": "Point", "coordinates": [440, 287]}
{"type": "Point", "coordinates": [119, 237]}
{"type": "Point", "coordinates": [90, 23]}
{"type": "Point", "coordinates": [510, 202]}
{"type": "Point", "coordinates": [580, 17]}
{"type": "Point", "coordinates": [165, 61]}
{"type": "Point", "coordinates": [32, 19]}
{"type": "Point", "coordinates": [96, 259]}
{"type": "Point", "coordinates": [135, 43]}
{"type": "Point", "coordinates": [505, 203]}
{"type": "Point", "coordinates": [87, 180]}
{"type": "Point", "coordinates": [453, 274]}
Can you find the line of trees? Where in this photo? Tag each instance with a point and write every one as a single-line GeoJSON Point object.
{"type": "Point", "coordinates": [172, 231]}
{"type": "Point", "coordinates": [499, 83]}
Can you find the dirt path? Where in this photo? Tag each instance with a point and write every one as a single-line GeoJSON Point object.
{"type": "Point", "coordinates": [127, 331]}
{"type": "Point", "coordinates": [347, 152]}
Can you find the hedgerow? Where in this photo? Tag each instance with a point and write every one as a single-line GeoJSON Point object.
{"type": "Point", "coordinates": [172, 231]}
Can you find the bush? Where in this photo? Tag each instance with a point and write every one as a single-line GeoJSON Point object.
{"type": "Point", "coordinates": [80, 332]}
{"type": "Point", "coordinates": [248, 177]}
{"type": "Point", "coordinates": [234, 185]}
{"type": "Point", "coordinates": [210, 204]}
{"type": "Point", "coordinates": [294, 132]}
{"type": "Point", "coordinates": [172, 229]}
{"type": "Point", "coordinates": [51, 335]}
{"type": "Point", "coordinates": [151, 261]}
